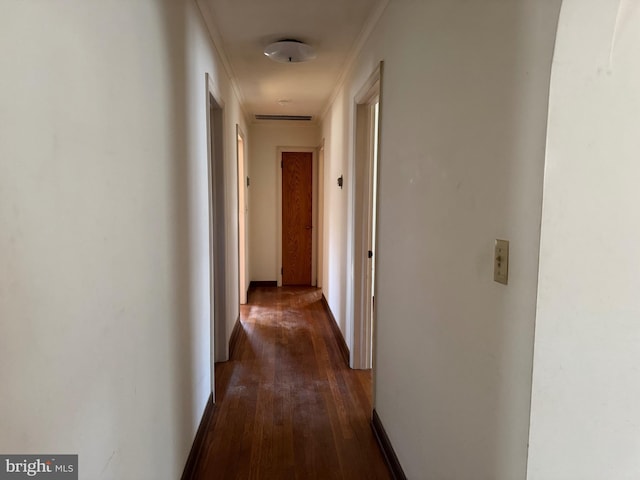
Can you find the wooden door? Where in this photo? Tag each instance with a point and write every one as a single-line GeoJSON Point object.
{"type": "Point", "coordinates": [296, 218]}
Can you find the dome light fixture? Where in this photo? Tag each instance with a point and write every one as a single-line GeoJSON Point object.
{"type": "Point", "coordinates": [289, 51]}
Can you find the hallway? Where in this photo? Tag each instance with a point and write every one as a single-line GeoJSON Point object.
{"type": "Point", "coordinates": [287, 405]}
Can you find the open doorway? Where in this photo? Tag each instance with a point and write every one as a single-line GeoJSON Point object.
{"type": "Point", "coordinates": [243, 212]}
{"type": "Point", "coordinates": [367, 140]}
{"type": "Point", "coordinates": [217, 231]}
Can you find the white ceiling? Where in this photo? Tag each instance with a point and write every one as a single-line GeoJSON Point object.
{"type": "Point", "coordinates": [334, 28]}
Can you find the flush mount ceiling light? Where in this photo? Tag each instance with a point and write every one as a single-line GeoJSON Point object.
{"type": "Point", "coordinates": [289, 51]}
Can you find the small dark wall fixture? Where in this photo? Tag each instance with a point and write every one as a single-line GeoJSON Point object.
{"type": "Point", "coordinates": [340, 181]}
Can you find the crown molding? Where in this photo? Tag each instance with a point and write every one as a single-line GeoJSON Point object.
{"type": "Point", "coordinates": [349, 64]}
{"type": "Point", "coordinates": [218, 45]}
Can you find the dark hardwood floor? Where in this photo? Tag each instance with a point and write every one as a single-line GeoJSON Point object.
{"type": "Point", "coordinates": [287, 406]}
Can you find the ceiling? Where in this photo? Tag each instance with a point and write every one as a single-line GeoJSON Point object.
{"type": "Point", "coordinates": [243, 28]}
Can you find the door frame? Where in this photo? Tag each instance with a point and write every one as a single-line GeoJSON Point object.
{"type": "Point", "coordinates": [243, 221]}
{"type": "Point", "coordinates": [314, 210]}
{"type": "Point", "coordinates": [364, 315]}
{"type": "Point", "coordinates": [217, 227]}
{"type": "Point", "coordinates": [320, 219]}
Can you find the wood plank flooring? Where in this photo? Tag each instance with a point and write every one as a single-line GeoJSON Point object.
{"type": "Point", "coordinates": [287, 406]}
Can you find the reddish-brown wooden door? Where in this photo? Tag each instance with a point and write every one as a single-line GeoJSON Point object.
{"type": "Point", "coordinates": [296, 218]}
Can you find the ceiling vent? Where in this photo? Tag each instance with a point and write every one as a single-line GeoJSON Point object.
{"type": "Point", "coordinates": [305, 118]}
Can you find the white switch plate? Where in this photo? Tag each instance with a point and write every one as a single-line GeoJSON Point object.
{"type": "Point", "coordinates": [501, 261]}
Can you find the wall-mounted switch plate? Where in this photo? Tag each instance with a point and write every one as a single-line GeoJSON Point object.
{"type": "Point", "coordinates": [501, 261]}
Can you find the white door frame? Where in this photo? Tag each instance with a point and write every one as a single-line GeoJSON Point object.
{"type": "Point", "coordinates": [243, 211]}
{"type": "Point", "coordinates": [314, 210]}
{"type": "Point", "coordinates": [363, 225]}
{"type": "Point", "coordinates": [217, 224]}
{"type": "Point", "coordinates": [320, 221]}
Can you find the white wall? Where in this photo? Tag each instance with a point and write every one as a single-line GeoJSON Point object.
{"type": "Point", "coordinates": [264, 167]}
{"type": "Point", "coordinates": [335, 272]}
{"type": "Point", "coordinates": [585, 419]}
{"type": "Point", "coordinates": [465, 93]}
{"type": "Point", "coordinates": [104, 284]}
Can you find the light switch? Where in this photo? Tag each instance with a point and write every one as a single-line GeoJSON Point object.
{"type": "Point", "coordinates": [501, 261]}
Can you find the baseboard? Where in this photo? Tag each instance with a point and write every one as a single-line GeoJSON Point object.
{"type": "Point", "coordinates": [235, 336]}
{"type": "Point", "coordinates": [387, 449]}
{"type": "Point", "coordinates": [198, 443]}
{"type": "Point", "coordinates": [344, 349]}
{"type": "Point", "coordinates": [262, 283]}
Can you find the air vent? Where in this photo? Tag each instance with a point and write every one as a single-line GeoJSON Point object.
{"type": "Point", "coordinates": [284, 117]}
